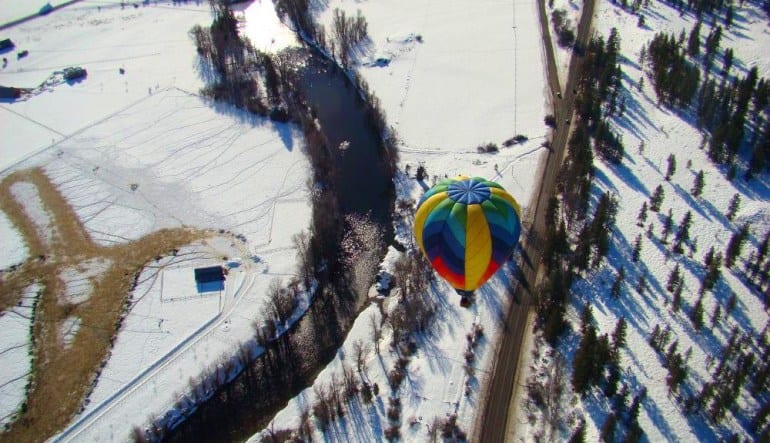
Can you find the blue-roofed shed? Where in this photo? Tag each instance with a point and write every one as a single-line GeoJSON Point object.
{"type": "Point", "coordinates": [211, 279]}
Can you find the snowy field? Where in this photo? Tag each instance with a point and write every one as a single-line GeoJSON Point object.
{"type": "Point", "coordinates": [664, 132]}
{"type": "Point", "coordinates": [15, 348]}
{"type": "Point", "coordinates": [102, 38]}
{"type": "Point", "coordinates": [137, 151]}
{"type": "Point", "coordinates": [456, 79]}
{"type": "Point", "coordinates": [15, 251]}
{"type": "Point", "coordinates": [11, 10]}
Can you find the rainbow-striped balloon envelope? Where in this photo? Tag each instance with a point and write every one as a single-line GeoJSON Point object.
{"type": "Point", "coordinates": [467, 228]}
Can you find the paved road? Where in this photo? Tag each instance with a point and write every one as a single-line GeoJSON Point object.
{"type": "Point", "coordinates": [495, 425]}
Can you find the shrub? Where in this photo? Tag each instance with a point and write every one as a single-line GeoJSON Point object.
{"type": "Point", "coordinates": [395, 377]}
{"type": "Point", "coordinates": [392, 433]}
{"type": "Point", "coordinates": [487, 148]}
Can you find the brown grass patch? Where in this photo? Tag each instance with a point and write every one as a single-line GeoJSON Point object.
{"type": "Point", "coordinates": [62, 378]}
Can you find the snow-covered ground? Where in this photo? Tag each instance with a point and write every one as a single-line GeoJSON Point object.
{"type": "Point", "coordinates": [11, 10]}
{"type": "Point", "coordinates": [260, 23]}
{"type": "Point", "coordinates": [664, 132]}
{"type": "Point", "coordinates": [33, 207]}
{"type": "Point", "coordinates": [15, 353]}
{"type": "Point", "coordinates": [79, 280]}
{"type": "Point", "coordinates": [102, 38]}
{"type": "Point", "coordinates": [12, 243]}
{"type": "Point", "coordinates": [137, 151]}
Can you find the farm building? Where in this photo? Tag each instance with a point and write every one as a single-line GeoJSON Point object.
{"type": "Point", "coordinates": [211, 279]}
{"type": "Point", "coordinates": [74, 73]}
{"type": "Point", "coordinates": [9, 92]}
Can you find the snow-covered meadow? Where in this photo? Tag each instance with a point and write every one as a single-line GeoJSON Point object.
{"type": "Point", "coordinates": [133, 149]}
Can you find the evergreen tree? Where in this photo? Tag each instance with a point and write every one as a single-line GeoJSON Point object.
{"type": "Point", "coordinates": [674, 279]}
{"type": "Point", "coordinates": [655, 336]}
{"type": "Point", "coordinates": [696, 314]}
{"type": "Point", "coordinates": [642, 217]}
{"type": "Point", "coordinates": [556, 245]}
{"type": "Point", "coordinates": [733, 206]}
{"type": "Point", "coordinates": [712, 41]}
{"type": "Point", "coordinates": [735, 246]}
{"type": "Point", "coordinates": [708, 259]}
{"type": "Point", "coordinates": [676, 300]}
{"type": "Point", "coordinates": [670, 353]}
{"type": "Point", "coordinates": [601, 226]}
{"type": "Point", "coordinates": [677, 371]}
{"type": "Point", "coordinates": [633, 410]}
{"type": "Point", "coordinates": [693, 43]}
{"type": "Point", "coordinates": [760, 418]}
{"type": "Point", "coordinates": [637, 248]}
{"type": "Point", "coordinates": [730, 303]}
{"type": "Point", "coordinates": [619, 335]}
{"type": "Point", "coordinates": [617, 285]}
{"type": "Point", "coordinates": [716, 314]}
{"type": "Point", "coordinates": [671, 168]}
{"type": "Point", "coordinates": [582, 254]}
{"type": "Point", "coordinates": [682, 233]}
{"type": "Point", "coordinates": [727, 62]}
{"type": "Point", "coordinates": [649, 232]}
{"type": "Point", "coordinates": [697, 186]}
{"type": "Point", "coordinates": [729, 15]}
{"type": "Point", "coordinates": [712, 273]}
{"type": "Point", "coordinates": [657, 198]}
{"type": "Point", "coordinates": [759, 255]}
{"type": "Point", "coordinates": [583, 363]}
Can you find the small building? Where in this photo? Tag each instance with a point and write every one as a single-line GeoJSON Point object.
{"type": "Point", "coordinates": [9, 92]}
{"type": "Point", "coordinates": [6, 44]}
{"type": "Point", "coordinates": [211, 279]}
{"type": "Point", "coordinates": [74, 73]}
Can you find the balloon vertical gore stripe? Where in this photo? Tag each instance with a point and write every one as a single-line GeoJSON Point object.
{"type": "Point", "coordinates": [478, 247]}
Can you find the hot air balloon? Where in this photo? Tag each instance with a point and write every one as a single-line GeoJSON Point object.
{"type": "Point", "coordinates": [467, 227]}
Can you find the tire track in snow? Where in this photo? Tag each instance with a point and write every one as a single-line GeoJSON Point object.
{"type": "Point", "coordinates": [31, 120]}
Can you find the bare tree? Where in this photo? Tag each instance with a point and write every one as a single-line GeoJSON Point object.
{"type": "Point", "coordinates": [305, 430]}
{"type": "Point", "coordinates": [351, 383]}
{"type": "Point", "coordinates": [360, 350]}
{"type": "Point", "coordinates": [301, 241]}
{"type": "Point", "coordinates": [376, 332]}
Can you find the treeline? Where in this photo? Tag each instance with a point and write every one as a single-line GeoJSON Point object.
{"type": "Point", "coordinates": [733, 111]}
{"type": "Point", "coordinates": [347, 33]}
{"type": "Point", "coordinates": [242, 75]}
{"type": "Point", "coordinates": [599, 96]}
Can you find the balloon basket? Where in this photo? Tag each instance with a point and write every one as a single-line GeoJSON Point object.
{"type": "Point", "coordinates": [466, 298]}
